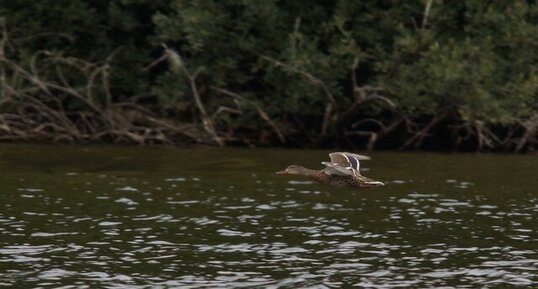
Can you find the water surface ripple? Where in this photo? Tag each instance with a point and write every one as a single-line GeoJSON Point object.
{"type": "Point", "coordinates": [89, 217]}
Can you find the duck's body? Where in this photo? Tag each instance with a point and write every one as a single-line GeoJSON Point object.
{"type": "Point", "coordinates": [342, 171]}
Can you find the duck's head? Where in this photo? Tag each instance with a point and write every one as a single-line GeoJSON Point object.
{"type": "Point", "coordinates": [293, 170]}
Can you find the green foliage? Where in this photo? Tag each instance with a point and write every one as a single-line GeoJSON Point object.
{"type": "Point", "coordinates": [312, 69]}
{"type": "Point", "coordinates": [474, 58]}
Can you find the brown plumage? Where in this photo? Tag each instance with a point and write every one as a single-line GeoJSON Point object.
{"type": "Point", "coordinates": [342, 171]}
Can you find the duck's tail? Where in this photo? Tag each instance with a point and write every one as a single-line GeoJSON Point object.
{"type": "Point", "coordinates": [374, 183]}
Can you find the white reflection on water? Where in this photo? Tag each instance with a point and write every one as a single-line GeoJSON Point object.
{"type": "Point", "coordinates": [182, 232]}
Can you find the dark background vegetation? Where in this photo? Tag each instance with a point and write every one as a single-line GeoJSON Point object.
{"type": "Point", "coordinates": [430, 74]}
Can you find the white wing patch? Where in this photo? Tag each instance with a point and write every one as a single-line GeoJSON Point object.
{"type": "Point", "coordinates": [345, 161]}
{"type": "Point", "coordinates": [335, 169]}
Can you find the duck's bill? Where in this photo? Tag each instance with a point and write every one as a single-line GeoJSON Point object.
{"type": "Point", "coordinates": [375, 183]}
{"type": "Point", "coordinates": [282, 172]}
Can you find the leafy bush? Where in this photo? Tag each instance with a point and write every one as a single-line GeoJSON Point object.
{"type": "Point", "coordinates": [322, 73]}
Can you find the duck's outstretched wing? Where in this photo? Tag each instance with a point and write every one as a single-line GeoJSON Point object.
{"type": "Point", "coordinates": [333, 169]}
{"type": "Point", "coordinates": [343, 163]}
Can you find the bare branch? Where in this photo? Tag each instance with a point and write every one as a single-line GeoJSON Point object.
{"type": "Point", "coordinates": [373, 136]}
{"type": "Point", "coordinates": [314, 80]}
{"type": "Point", "coordinates": [426, 14]}
{"type": "Point", "coordinates": [531, 129]}
{"type": "Point", "coordinates": [175, 60]}
{"type": "Point", "coordinates": [260, 111]}
{"type": "Point", "coordinates": [419, 136]}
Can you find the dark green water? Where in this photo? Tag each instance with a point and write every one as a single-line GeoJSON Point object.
{"type": "Point", "coordinates": [109, 217]}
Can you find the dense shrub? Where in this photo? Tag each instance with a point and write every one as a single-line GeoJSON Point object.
{"type": "Point", "coordinates": [431, 74]}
